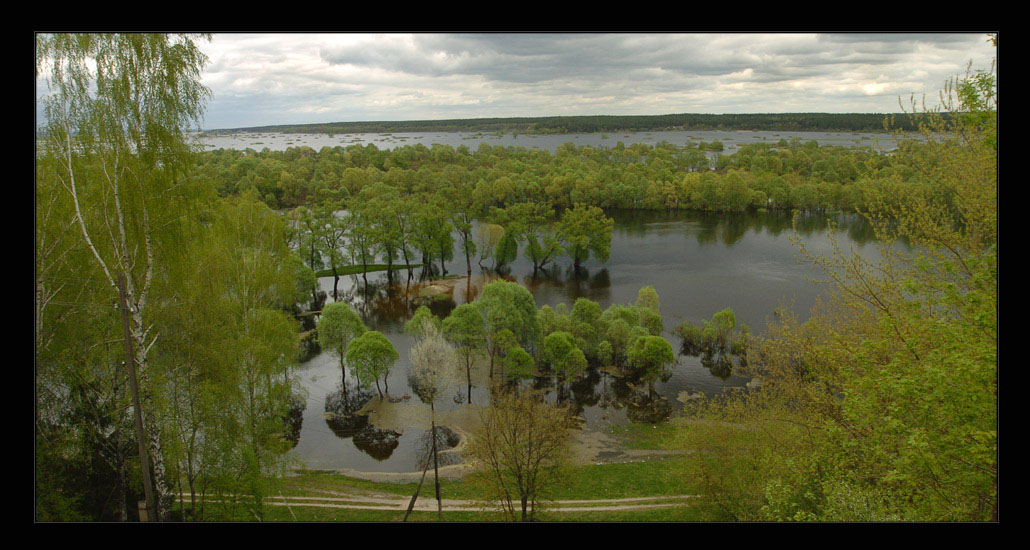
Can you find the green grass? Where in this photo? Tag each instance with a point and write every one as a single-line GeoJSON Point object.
{"type": "Point", "coordinates": [631, 479]}
{"type": "Point", "coordinates": [305, 514]}
{"type": "Point", "coordinates": [356, 269]}
{"type": "Point", "coordinates": [587, 482]}
{"type": "Point", "coordinates": [605, 481]}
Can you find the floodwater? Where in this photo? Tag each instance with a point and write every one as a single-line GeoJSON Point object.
{"type": "Point", "coordinates": [732, 140]}
{"type": "Point", "coordinates": [698, 263]}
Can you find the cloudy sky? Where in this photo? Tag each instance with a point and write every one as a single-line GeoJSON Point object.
{"type": "Point", "coordinates": [269, 79]}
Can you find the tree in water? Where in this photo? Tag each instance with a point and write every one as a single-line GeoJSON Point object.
{"type": "Point", "coordinates": [433, 365]}
{"type": "Point", "coordinates": [337, 326]}
{"type": "Point", "coordinates": [464, 328]}
{"type": "Point", "coordinates": [371, 355]}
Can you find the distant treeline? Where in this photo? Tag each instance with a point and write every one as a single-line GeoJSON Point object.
{"type": "Point", "coordinates": [814, 122]}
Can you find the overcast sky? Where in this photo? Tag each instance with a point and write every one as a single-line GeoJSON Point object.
{"type": "Point", "coordinates": [269, 79]}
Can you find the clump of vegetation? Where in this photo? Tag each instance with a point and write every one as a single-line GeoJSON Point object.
{"type": "Point", "coordinates": [720, 334]}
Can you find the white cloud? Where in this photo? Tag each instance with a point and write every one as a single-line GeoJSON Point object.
{"type": "Point", "coordinates": [297, 78]}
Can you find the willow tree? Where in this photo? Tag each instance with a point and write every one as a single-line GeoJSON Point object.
{"type": "Point", "coordinates": [116, 109]}
{"type": "Point", "coordinates": [371, 355]}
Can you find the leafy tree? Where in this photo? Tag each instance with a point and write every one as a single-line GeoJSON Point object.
{"type": "Point", "coordinates": [371, 355]}
{"type": "Point", "coordinates": [506, 306]}
{"type": "Point", "coordinates": [487, 237]}
{"type": "Point", "coordinates": [651, 356]}
{"type": "Point", "coordinates": [647, 298]}
{"type": "Point", "coordinates": [338, 326]}
{"type": "Point", "coordinates": [507, 249]}
{"type": "Point", "coordinates": [464, 327]}
{"type": "Point", "coordinates": [422, 323]}
{"type": "Point", "coordinates": [518, 364]}
{"type": "Point", "coordinates": [883, 404]}
{"type": "Point", "coordinates": [585, 230]}
{"type": "Point", "coordinates": [519, 452]}
{"type": "Point", "coordinates": [116, 115]}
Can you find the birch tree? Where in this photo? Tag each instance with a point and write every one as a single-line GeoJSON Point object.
{"type": "Point", "coordinates": [116, 111]}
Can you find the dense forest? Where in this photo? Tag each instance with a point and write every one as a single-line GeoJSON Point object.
{"type": "Point", "coordinates": [808, 122]}
{"type": "Point", "coordinates": [786, 175]}
{"type": "Point", "coordinates": [173, 294]}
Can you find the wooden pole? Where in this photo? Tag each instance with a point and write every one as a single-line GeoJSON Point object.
{"type": "Point", "coordinates": [130, 360]}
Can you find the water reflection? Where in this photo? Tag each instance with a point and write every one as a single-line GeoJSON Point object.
{"type": "Point", "coordinates": [376, 443]}
{"type": "Point", "coordinates": [728, 228]}
{"type": "Point", "coordinates": [340, 407]}
{"type": "Point", "coordinates": [295, 419]}
{"type": "Point", "coordinates": [699, 263]}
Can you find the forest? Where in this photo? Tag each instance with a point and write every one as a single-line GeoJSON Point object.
{"type": "Point", "coordinates": [175, 294]}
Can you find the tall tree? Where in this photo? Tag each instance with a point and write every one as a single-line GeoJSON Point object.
{"type": "Point", "coordinates": [432, 360]}
{"type": "Point", "coordinates": [117, 110]}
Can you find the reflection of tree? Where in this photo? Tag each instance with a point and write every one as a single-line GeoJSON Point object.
{"type": "Point", "coordinates": [601, 280]}
{"type": "Point", "coordinates": [376, 443]}
{"type": "Point", "coordinates": [446, 439]}
{"type": "Point", "coordinates": [606, 395]}
{"type": "Point", "coordinates": [734, 227]}
{"type": "Point", "coordinates": [343, 422]}
{"type": "Point", "coordinates": [584, 390]}
{"type": "Point", "coordinates": [650, 409]}
{"type": "Point", "coordinates": [719, 364]}
{"type": "Point", "coordinates": [295, 419]}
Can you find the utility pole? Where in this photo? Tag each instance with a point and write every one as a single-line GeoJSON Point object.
{"type": "Point", "coordinates": [141, 437]}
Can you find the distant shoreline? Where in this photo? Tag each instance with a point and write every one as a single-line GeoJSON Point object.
{"type": "Point", "coordinates": [815, 122]}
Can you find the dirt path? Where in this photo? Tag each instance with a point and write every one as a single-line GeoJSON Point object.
{"type": "Point", "coordinates": [368, 500]}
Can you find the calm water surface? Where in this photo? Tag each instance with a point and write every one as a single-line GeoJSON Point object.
{"type": "Point", "coordinates": [698, 263]}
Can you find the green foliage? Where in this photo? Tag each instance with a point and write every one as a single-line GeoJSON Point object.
{"type": "Point", "coordinates": [717, 335]}
{"type": "Point", "coordinates": [518, 364]}
{"type": "Point", "coordinates": [650, 357]}
{"type": "Point", "coordinates": [882, 406]}
{"type": "Point", "coordinates": [647, 298]}
{"type": "Point", "coordinates": [338, 325]}
{"type": "Point", "coordinates": [509, 306]}
{"type": "Point", "coordinates": [507, 249]}
{"type": "Point", "coordinates": [585, 230]}
{"type": "Point", "coordinates": [421, 323]}
{"type": "Point", "coordinates": [371, 356]}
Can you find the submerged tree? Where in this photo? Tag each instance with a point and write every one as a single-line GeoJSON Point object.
{"type": "Point", "coordinates": [585, 230]}
{"type": "Point", "coordinates": [337, 327]}
{"type": "Point", "coordinates": [464, 328]}
{"type": "Point", "coordinates": [371, 355]}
